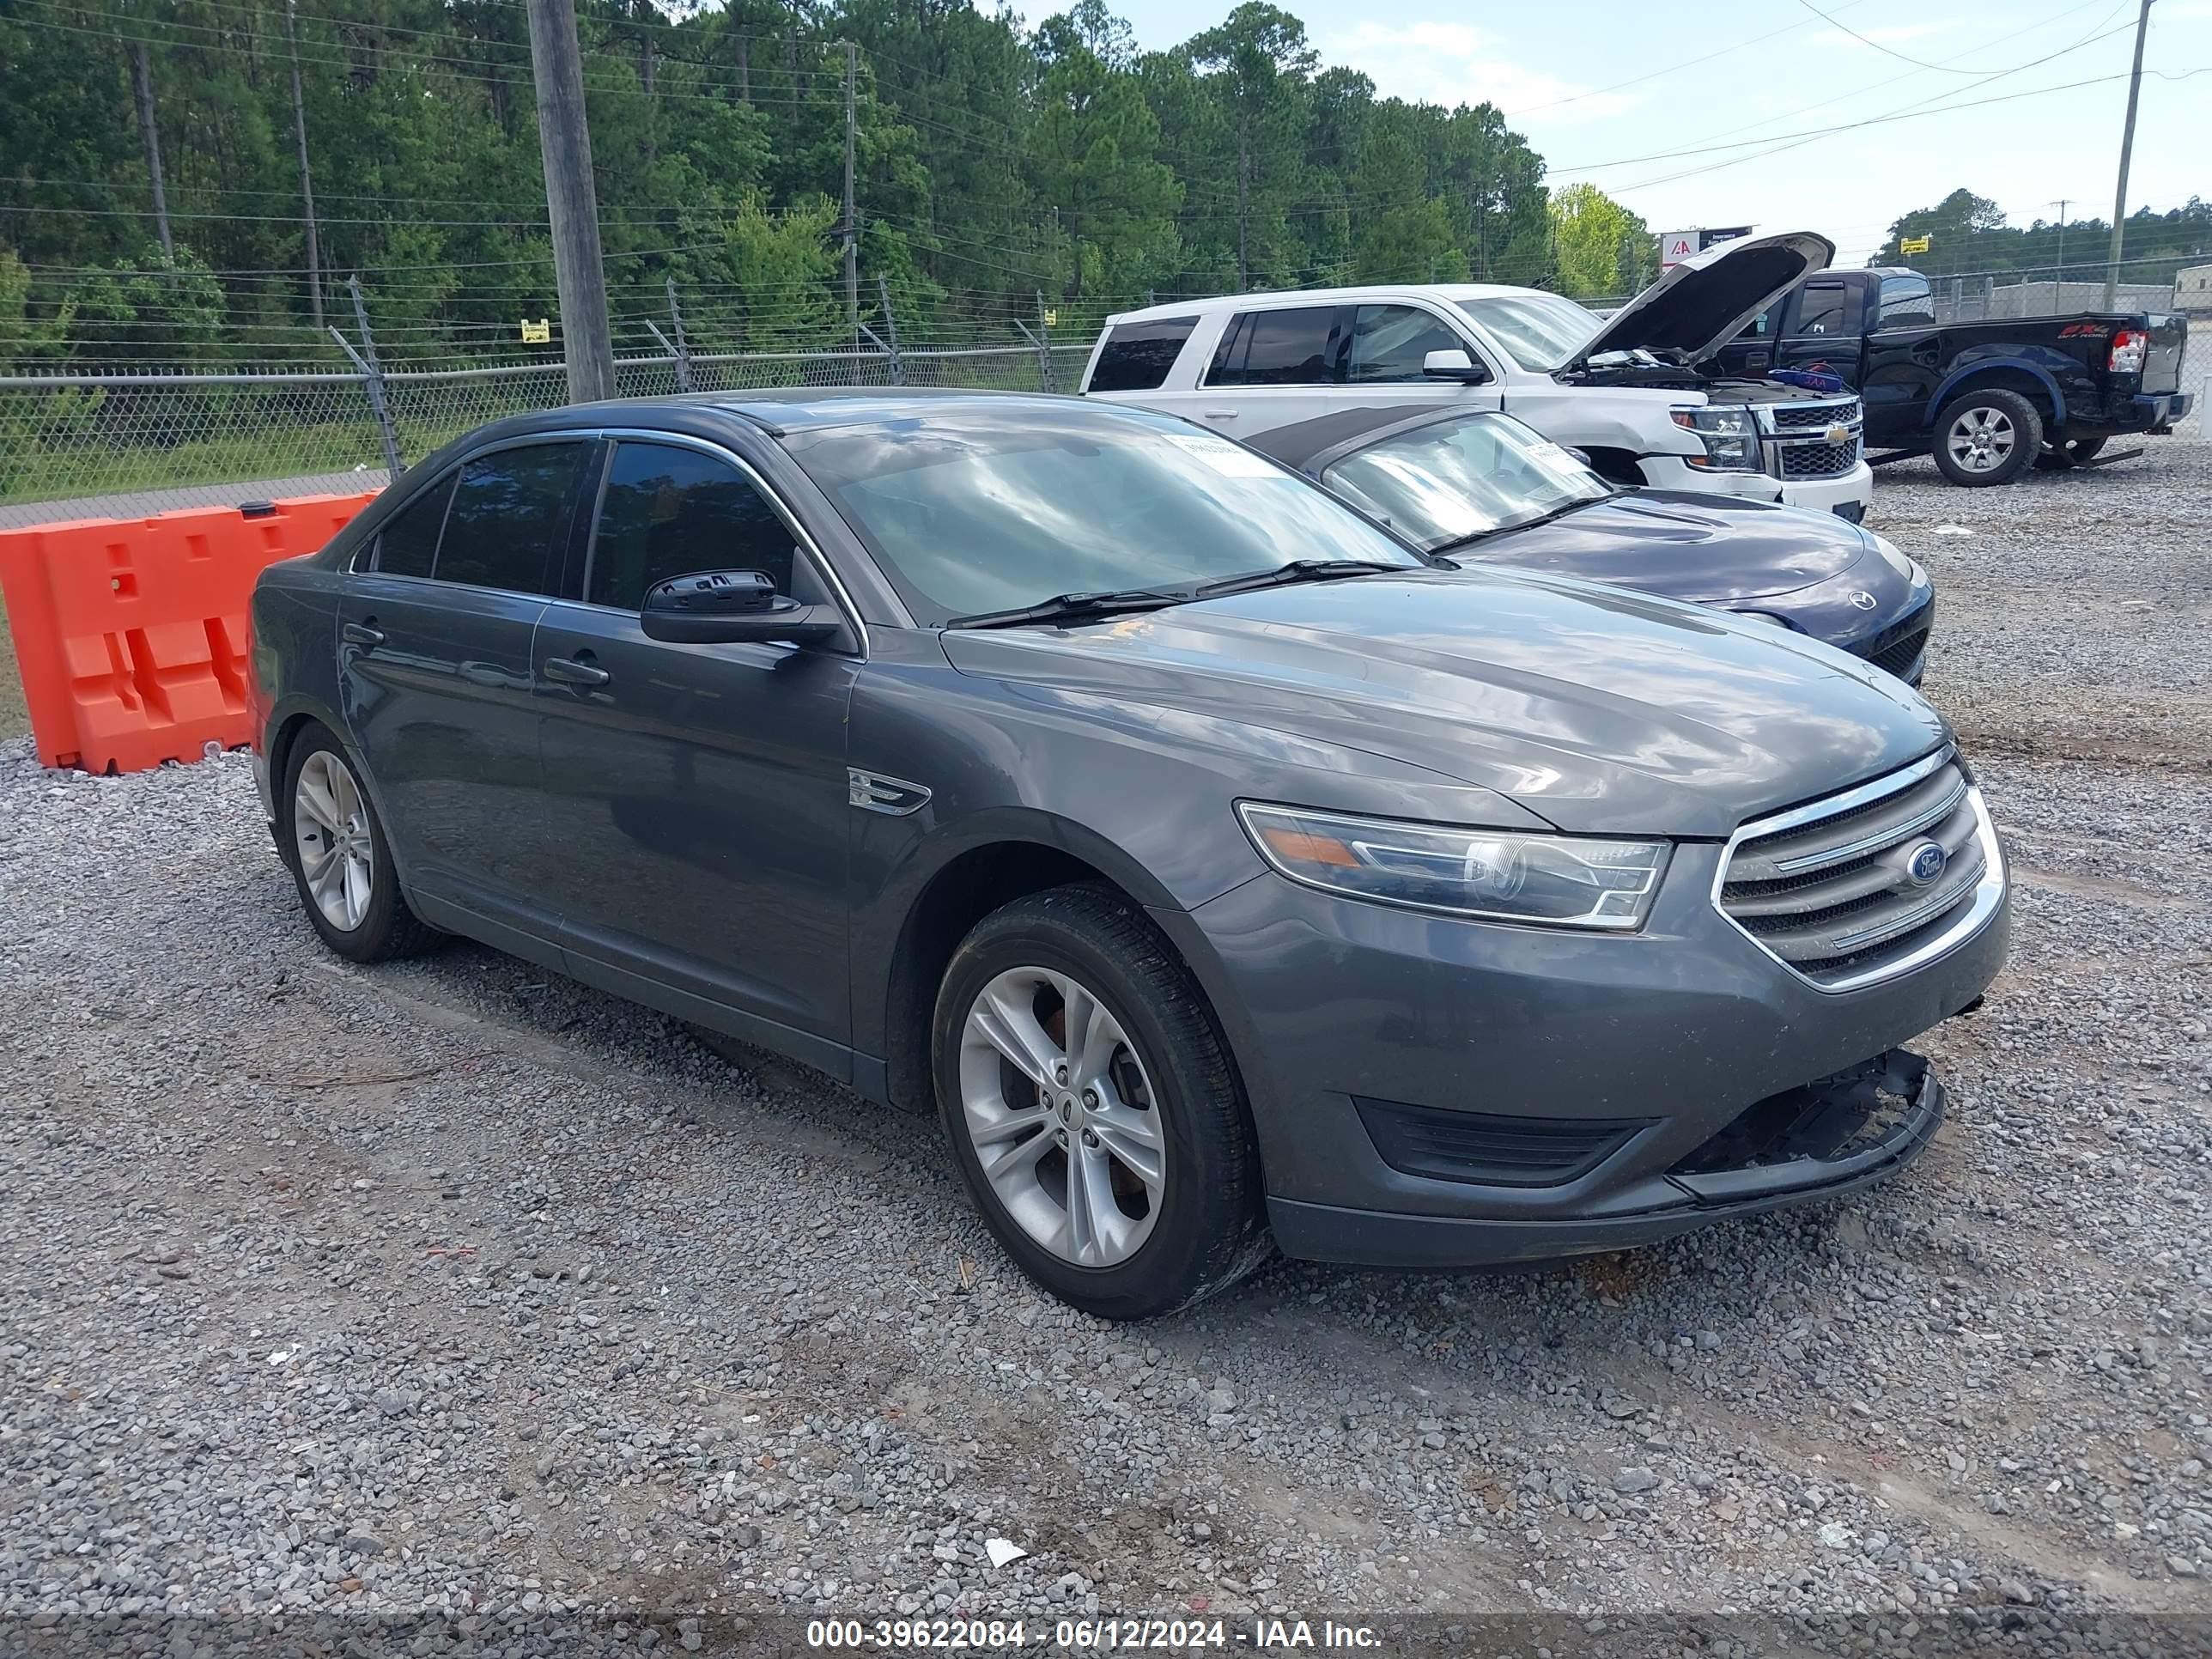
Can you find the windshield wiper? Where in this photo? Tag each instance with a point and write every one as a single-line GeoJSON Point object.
{"type": "Point", "coordinates": [1297, 570]}
{"type": "Point", "coordinates": [1068, 607]}
{"type": "Point", "coordinates": [1474, 536]}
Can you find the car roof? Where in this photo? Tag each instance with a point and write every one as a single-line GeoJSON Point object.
{"type": "Point", "coordinates": [1302, 442]}
{"type": "Point", "coordinates": [1451, 292]}
{"type": "Point", "coordinates": [781, 410]}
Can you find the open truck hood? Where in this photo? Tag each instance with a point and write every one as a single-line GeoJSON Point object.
{"type": "Point", "coordinates": [1698, 306]}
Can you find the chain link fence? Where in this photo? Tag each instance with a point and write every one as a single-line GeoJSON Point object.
{"type": "Point", "coordinates": [64, 436]}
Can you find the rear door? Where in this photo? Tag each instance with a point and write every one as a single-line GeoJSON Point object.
{"type": "Point", "coordinates": [435, 671]}
{"type": "Point", "coordinates": [697, 793]}
{"type": "Point", "coordinates": [1274, 366]}
{"type": "Point", "coordinates": [1384, 345]}
{"type": "Point", "coordinates": [1902, 362]}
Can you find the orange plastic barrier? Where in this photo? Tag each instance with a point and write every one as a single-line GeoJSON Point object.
{"type": "Point", "coordinates": [130, 633]}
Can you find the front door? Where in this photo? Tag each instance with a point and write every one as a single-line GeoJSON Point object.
{"type": "Point", "coordinates": [1384, 348]}
{"type": "Point", "coordinates": [435, 671]}
{"type": "Point", "coordinates": [697, 793]}
{"type": "Point", "coordinates": [1821, 333]}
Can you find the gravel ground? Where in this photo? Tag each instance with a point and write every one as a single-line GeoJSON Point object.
{"type": "Point", "coordinates": [454, 1289]}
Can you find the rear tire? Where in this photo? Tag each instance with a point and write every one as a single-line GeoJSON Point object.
{"type": "Point", "coordinates": [1072, 1050]}
{"type": "Point", "coordinates": [2069, 452]}
{"type": "Point", "coordinates": [334, 844]}
{"type": "Point", "coordinates": [1986, 437]}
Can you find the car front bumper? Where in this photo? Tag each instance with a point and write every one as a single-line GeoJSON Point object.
{"type": "Point", "coordinates": [1846, 494]}
{"type": "Point", "coordinates": [1358, 1025]}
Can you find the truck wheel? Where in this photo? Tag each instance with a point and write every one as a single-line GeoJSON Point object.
{"type": "Point", "coordinates": [1987, 437]}
{"type": "Point", "coordinates": [2069, 452]}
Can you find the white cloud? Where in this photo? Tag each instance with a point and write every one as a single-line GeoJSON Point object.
{"type": "Point", "coordinates": [1455, 63]}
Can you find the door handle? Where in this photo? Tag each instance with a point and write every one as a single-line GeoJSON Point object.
{"type": "Point", "coordinates": [567, 671]}
{"type": "Point", "coordinates": [363, 635]}
{"type": "Point", "coordinates": [1220, 414]}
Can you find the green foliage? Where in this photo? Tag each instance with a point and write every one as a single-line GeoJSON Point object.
{"type": "Point", "coordinates": [1600, 242]}
{"type": "Point", "coordinates": [1000, 169]}
{"type": "Point", "coordinates": [1967, 233]}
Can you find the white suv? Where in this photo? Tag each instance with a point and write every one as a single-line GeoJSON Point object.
{"type": "Point", "coordinates": [1623, 389]}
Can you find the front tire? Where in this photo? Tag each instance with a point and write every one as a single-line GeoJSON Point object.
{"type": "Point", "coordinates": [334, 844]}
{"type": "Point", "coordinates": [1091, 1104]}
{"type": "Point", "coordinates": [1987, 437]}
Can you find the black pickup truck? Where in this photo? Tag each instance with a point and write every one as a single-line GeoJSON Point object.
{"type": "Point", "coordinates": [1986, 400]}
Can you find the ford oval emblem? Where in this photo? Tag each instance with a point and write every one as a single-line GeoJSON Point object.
{"type": "Point", "coordinates": [1861, 599]}
{"type": "Point", "coordinates": [1926, 865]}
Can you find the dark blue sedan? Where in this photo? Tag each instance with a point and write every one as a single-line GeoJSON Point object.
{"type": "Point", "coordinates": [1485, 486]}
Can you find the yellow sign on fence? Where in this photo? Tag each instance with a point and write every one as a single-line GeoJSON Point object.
{"type": "Point", "coordinates": [1052, 319]}
{"type": "Point", "coordinates": [1913, 245]}
{"type": "Point", "coordinates": [537, 333]}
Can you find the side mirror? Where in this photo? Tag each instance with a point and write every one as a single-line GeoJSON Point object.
{"type": "Point", "coordinates": [1582, 455]}
{"type": "Point", "coordinates": [1454, 364]}
{"type": "Point", "coordinates": [732, 607]}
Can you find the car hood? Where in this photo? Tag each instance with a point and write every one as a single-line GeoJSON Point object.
{"type": "Point", "coordinates": [1709, 550]}
{"type": "Point", "coordinates": [1698, 306]}
{"type": "Point", "coordinates": [1602, 711]}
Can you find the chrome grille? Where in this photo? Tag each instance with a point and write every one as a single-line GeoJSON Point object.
{"type": "Point", "coordinates": [1797, 444]}
{"type": "Point", "coordinates": [1818, 460]}
{"type": "Point", "coordinates": [1789, 416]}
{"type": "Point", "coordinates": [1831, 890]}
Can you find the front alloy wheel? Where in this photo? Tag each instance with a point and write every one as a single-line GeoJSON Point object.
{"type": "Point", "coordinates": [1061, 1115]}
{"type": "Point", "coordinates": [1090, 1102]}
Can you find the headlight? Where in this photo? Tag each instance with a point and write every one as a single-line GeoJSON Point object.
{"type": "Point", "coordinates": [1896, 560]}
{"type": "Point", "coordinates": [1731, 437]}
{"type": "Point", "coordinates": [1561, 881]}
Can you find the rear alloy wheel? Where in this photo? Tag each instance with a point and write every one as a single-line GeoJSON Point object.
{"type": "Point", "coordinates": [1988, 437]}
{"type": "Point", "coordinates": [2068, 452]}
{"type": "Point", "coordinates": [1090, 1105]}
{"type": "Point", "coordinates": [335, 846]}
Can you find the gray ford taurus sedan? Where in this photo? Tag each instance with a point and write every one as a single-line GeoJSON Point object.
{"type": "Point", "coordinates": [1215, 863]}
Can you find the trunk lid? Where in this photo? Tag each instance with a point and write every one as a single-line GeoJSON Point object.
{"type": "Point", "coordinates": [1698, 306]}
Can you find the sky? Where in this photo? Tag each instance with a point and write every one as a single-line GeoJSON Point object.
{"type": "Point", "coordinates": [1611, 92]}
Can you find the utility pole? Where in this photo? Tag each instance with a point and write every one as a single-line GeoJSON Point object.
{"type": "Point", "coordinates": [556, 64]}
{"type": "Point", "coordinates": [141, 86]}
{"type": "Point", "coordinates": [2127, 146]}
{"type": "Point", "coordinates": [852, 243]}
{"type": "Point", "coordinates": [2058, 289]}
{"type": "Point", "coordinates": [307, 179]}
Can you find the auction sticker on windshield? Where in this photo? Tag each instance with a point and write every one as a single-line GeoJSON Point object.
{"type": "Point", "coordinates": [1226, 457]}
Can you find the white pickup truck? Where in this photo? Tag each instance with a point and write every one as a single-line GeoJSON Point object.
{"type": "Point", "coordinates": [1620, 389]}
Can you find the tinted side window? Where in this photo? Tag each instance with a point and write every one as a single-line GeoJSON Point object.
{"type": "Point", "coordinates": [1906, 302]}
{"type": "Point", "coordinates": [669, 512]}
{"type": "Point", "coordinates": [1281, 348]}
{"type": "Point", "coordinates": [1137, 356]}
{"type": "Point", "coordinates": [1389, 342]}
{"type": "Point", "coordinates": [510, 518]}
{"type": "Point", "coordinates": [408, 544]}
{"type": "Point", "coordinates": [1823, 310]}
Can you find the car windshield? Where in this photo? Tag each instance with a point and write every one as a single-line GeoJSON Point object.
{"type": "Point", "coordinates": [1452, 480]}
{"type": "Point", "coordinates": [979, 509]}
{"type": "Point", "coordinates": [1538, 331]}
